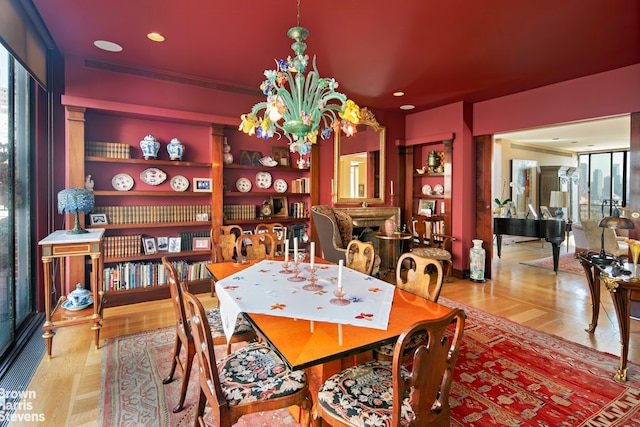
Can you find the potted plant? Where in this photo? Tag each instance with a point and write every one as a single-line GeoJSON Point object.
{"type": "Point", "coordinates": [501, 208]}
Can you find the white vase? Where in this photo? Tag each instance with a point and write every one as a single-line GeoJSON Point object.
{"type": "Point", "coordinates": [477, 256]}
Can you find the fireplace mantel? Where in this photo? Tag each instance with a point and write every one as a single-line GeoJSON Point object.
{"type": "Point", "coordinates": [373, 216]}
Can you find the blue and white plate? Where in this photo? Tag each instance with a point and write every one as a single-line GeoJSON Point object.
{"type": "Point", "coordinates": [68, 305]}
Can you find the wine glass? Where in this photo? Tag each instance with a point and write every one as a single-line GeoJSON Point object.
{"type": "Point", "coordinates": [340, 300]}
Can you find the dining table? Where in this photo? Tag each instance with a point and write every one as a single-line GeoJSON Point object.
{"type": "Point", "coordinates": [303, 326]}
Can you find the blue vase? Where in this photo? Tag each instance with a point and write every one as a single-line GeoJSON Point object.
{"type": "Point", "coordinates": [175, 149]}
{"type": "Point", "coordinates": [150, 147]}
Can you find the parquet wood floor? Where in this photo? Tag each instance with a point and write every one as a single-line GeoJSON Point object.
{"type": "Point", "coordinates": [67, 386]}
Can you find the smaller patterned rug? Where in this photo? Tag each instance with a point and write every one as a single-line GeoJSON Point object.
{"type": "Point", "coordinates": [566, 262]}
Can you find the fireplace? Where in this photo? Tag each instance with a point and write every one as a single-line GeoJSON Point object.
{"type": "Point", "coordinates": [369, 220]}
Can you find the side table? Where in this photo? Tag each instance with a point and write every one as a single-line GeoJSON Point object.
{"type": "Point", "coordinates": [395, 246]}
{"type": "Point", "coordinates": [60, 244]}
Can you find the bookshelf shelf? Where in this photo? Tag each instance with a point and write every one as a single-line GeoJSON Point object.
{"type": "Point", "coordinates": [147, 163]}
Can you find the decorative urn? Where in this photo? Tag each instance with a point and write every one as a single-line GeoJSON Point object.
{"type": "Point", "coordinates": [389, 227]}
{"type": "Point", "coordinates": [175, 149]}
{"type": "Point", "coordinates": [150, 147]}
{"type": "Point", "coordinates": [433, 161]}
{"type": "Point", "coordinates": [80, 296]}
{"type": "Point", "coordinates": [227, 157]}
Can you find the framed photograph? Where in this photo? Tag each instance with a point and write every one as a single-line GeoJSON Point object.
{"type": "Point", "coordinates": [545, 212]}
{"type": "Point", "coordinates": [202, 217]}
{"type": "Point", "coordinates": [149, 244]}
{"type": "Point", "coordinates": [202, 185]}
{"type": "Point", "coordinates": [280, 206]}
{"type": "Point", "coordinates": [533, 211]}
{"type": "Point", "coordinates": [98, 219]}
{"type": "Point", "coordinates": [512, 209]}
{"type": "Point", "coordinates": [281, 155]}
{"type": "Point", "coordinates": [175, 244]}
{"type": "Point", "coordinates": [201, 244]}
{"type": "Point", "coordinates": [251, 158]}
{"type": "Point", "coordinates": [427, 207]}
{"type": "Point", "coordinates": [163, 244]}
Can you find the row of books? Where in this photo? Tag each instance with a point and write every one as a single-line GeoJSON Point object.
{"type": "Point", "coordinates": [114, 150]}
{"type": "Point", "coordinates": [301, 185]}
{"type": "Point", "coordinates": [122, 246]}
{"type": "Point", "coordinates": [299, 210]}
{"type": "Point", "coordinates": [186, 238]}
{"type": "Point", "coordinates": [154, 214]}
{"type": "Point", "coordinates": [239, 212]}
{"type": "Point", "coordinates": [132, 275]}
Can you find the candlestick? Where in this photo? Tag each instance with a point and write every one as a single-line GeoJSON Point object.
{"type": "Point", "coordinates": [313, 254]}
{"type": "Point", "coordinates": [332, 187]}
{"type": "Point", "coordinates": [286, 250]}
{"type": "Point", "coordinates": [340, 265]}
{"type": "Point", "coordinates": [392, 187]}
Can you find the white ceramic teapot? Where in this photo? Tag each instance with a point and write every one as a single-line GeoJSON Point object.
{"type": "Point", "coordinates": [80, 296]}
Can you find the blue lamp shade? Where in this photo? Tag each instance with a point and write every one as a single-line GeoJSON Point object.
{"type": "Point", "coordinates": [74, 201]}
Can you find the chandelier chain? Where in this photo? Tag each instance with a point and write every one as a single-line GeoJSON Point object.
{"type": "Point", "coordinates": [298, 17]}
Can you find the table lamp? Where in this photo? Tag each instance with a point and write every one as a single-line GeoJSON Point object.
{"type": "Point", "coordinates": [559, 200]}
{"type": "Point", "coordinates": [611, 222]}
{"type": "Point", "coordinates": [74, 201]}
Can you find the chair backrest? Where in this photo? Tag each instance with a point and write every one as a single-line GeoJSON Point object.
{"type": "Point", "coordinates": [420, 276]}
{"type": "Point", "coordinates": [332, 228]}
{"type": "Point", "coordinates": [431, 367]}
{"type": "Point", "coordinates": [223, 242]}
{"type": "Point", "coordinates": [277, 231]}
{"type": "Point", "coordinates": [208, 373]}
{"type": "Point", "coordinates": [423, 232]}
{"type": "Point", "coordinates": [256, 246]}
{"type": "Point", "coordinates": [182, 328]}
{"type": "Point", "coordinates": [360, 256]}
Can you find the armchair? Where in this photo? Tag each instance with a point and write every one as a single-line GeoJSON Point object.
{"type": "Point", "coordinates": [588, 237]}
{"type": "Point", "coordinates": [334, 230]}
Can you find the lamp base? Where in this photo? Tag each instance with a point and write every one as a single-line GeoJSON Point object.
{"type": "Point", "coordinates": [602, 259]}
{"type": "Point", "coordinates": [559, 213]}
{"type": "Point", "coordinates": [76, 227]}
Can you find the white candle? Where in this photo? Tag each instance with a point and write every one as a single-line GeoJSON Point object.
{"type": "Point", "coordinates": [442, 210]}
{"type": "Point", "coordinates": [340, 265]}
{"type": "Point", "coordinates": [332, 188]}
{"type": "Point", "coordinates": [313, 253]}
{"type": "Point", "coordinates": [295, 250]}
{"type": "Point", "coordinates": [286, 250]}
{"type": "Point", "coordinates": [392, 187]}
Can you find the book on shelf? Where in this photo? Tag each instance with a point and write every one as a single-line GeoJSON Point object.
{"type": "Point", "coordinates": [132, 275]}
{"type": "Point", "coordinates": [149, 214]}
{"type": "Point", "coordinates": [114, 150]}
{"type": "Point", "coordinates": [298, 210]}
{"type": "Point", "coordinates": [300, 185]}
{"type": "Point", "coordinates": [239, 212]}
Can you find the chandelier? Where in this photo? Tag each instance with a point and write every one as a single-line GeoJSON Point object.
{"type": "Point", "coordinates": [299, 106]}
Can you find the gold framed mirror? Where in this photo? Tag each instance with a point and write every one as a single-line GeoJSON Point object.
{"type": "Point", "coordinates": [359, 163]}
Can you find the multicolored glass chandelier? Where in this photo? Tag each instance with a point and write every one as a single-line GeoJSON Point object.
{"type": "Point", "coordinates": [299, 106]}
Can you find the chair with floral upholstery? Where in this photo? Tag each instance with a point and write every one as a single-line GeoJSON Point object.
{"type": "Point", "coordinates": [243, 332]}
{"type": "Point", "coordinates": [251, 379]}
{"type": "Point", "coordinates": [428, 244]}
{"type": "Point", "coordinates": [395, 393]}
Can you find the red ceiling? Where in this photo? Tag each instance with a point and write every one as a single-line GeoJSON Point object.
{"type": "Point", "coordinates": [436, 51]}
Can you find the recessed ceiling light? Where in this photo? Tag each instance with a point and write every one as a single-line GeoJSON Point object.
{"type": "Point", "coordinates": [156, 37]}
{"type": "Point", "coordinates": [407, 107]}
{"type": "Point", "coordinates": [108, 46]}
{"type": "Point", "coordinates": [399, 93]}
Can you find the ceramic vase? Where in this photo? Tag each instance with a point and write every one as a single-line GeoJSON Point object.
{"type": "Point", "coordinates": [175, 149]}
{"type": "Point", "coordinates": [227, 157]}
{"type": "Point", "coordinates": [477, 256]}
{"type": "Point", "coordinates": [150, 147]}
{"type": "Point", "coordinates": [389, 227]}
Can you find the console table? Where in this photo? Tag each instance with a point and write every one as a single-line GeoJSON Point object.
{"type": "Point", "coordinates": [552, 230]}
{"type": "Point", "coordinates": [61, 244]}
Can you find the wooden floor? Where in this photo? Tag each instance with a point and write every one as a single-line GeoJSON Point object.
{"type": "Point", "coordinates": [67, 386]}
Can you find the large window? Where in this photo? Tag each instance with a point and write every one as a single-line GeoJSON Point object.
{"type": "Point", "coordinates": [604, 183]}
{"type": "Point", "coordinates": [16, 285]}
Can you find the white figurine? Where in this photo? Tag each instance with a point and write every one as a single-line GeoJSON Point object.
{"type": "Point", "coordinates": [88, 183]}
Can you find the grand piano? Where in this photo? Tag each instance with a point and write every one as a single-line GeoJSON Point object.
{"type": "Point", "coordinates": [552, 230]}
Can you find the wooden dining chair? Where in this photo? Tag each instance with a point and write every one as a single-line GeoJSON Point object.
{"type": "Point", "coordinates": [243, 332]}
{"type": "Point", "coordinates": [394, 393]}
{"type": "Point", "coordinates": [251, 379]}
{"type": "Point", "coordinates": [421, 276]}
{"type": "Point", "coordinates": [428, 244]}
{"type": "Point", "coordinates": [277, 231]}
{"type": "Point", "coordinates": [360, 256]}
{"type": "Point", "coordinates": [223, 242]}
{"type": "Point", "coordinates": [256, 246]}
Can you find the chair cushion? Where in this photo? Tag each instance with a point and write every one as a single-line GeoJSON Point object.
{"type": "Point", "coordinates": [387, 350]}
{"type": "Point", "coordinates": [345, 228]}
{"type": "Point", "coordinates": [255, 372]}
{"type": "Point", "coordinates": [215, 322]}
{"type": "Point", "coordinates": [435, 253]}
{"type": "Point", "coordinates": [363, 394]}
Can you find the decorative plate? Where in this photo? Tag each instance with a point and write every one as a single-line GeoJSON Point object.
{"type": "Point", "coordinates": [68, 305]}
{"type": "Point", "coordinates": [439, 189]}
{"type": "Point", "coordinates": [268, 161]}
{"type": "Point", "coordinates": [243, 185]}
{"type": "Point", "coordinates": [153, 176]}
{"type": "Point", "coordinates": [179, 183]}
{"type": "Point", "coordinates": [280, 185]}
{"type": "Point", "coordinates": [426, 189]}
{"type": "Point", "coordinates": [122, 182]}
{"type": "Point", "coordinates": [263, 179]}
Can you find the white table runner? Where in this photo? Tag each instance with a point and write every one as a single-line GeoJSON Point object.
{"type": "Point", "coordinates": [261, 289]}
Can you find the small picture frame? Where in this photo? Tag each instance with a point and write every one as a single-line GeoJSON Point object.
{"type": "Point", "coordinates": [280, 207]}
{"type": "Point", "coordinates": [175, 244]}
{"type": "Point", "coordinates": [533, 211]}
{"type": "Point", "coordinates": [202, 185]}
{"type": "Point", "coordinates": [512, 209]}
{"type": "Point", "coordinates": [545, 212]}
{"type": "Point", "coordinates": [201, 244]}
{"type": "Point", "coordinates": [427, 207]}
{"type": "Point", "coordinates": [163, 243]}
{"type": "Point", "coordinates": [281, 155]}
{"type": "Point", "coordinates": [202, 217]}
{"type": "Point", "coordinates": [98, 219]}
{"type": "Point", "coordinates": [149, 245]}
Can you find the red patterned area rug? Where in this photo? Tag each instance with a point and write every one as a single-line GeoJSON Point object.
{"type": "Point", "coordinates": [507, 375]}
{"type": "Point", "coordinates": [132, 393]}
{"type": "Point", "coordinates": [566, 262]}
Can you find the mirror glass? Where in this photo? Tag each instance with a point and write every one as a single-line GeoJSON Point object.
{"type": "Point", "coordinates": [359, 163]}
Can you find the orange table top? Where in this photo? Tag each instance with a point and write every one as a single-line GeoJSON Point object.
{"type": "Point", "coordinates": [293, 340]}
